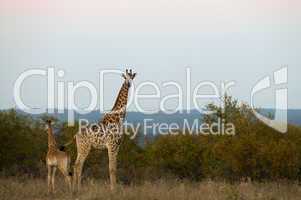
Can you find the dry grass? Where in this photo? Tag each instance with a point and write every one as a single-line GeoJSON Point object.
{"type": "Point", "coordinates": [22, 188]}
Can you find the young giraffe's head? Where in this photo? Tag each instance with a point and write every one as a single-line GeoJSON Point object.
{"type": "Point", "coordinates": [48, 124]}
{"type": "Point", "coordinates": [128, 76]}
{"type": "Point", "coordinates": [51, 137]}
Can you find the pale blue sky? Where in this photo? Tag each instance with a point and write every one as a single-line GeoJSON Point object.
{"type": "Point", "coordinates": [219, 40]}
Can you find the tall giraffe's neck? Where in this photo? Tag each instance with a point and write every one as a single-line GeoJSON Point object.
{"type": "Point", "coordinates": [51, 138]}
{"type": "Point", "coordinates": [122, 98]}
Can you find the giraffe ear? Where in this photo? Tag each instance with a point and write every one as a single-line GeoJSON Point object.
{"type": "Point", "coordinates": [134, 75]}
{"type": "Point", "coordinates": [123, 76]}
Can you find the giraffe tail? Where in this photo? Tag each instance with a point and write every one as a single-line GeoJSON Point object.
{"type": "Point", "coordinates": [63, 147]}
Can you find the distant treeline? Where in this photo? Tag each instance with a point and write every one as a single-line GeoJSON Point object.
{"type": "Point", "coordinates": [255, 151]}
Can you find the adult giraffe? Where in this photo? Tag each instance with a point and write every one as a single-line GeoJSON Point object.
{"type": "Point", "coordinates": [107, 135]}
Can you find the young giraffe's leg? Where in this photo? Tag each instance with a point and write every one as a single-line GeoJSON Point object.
{"type": "Point", "coordinates": [49, 168]}
{"type": "Point", "coordinates": [53, 177]}
{"type": "Point", "coordinates": [112, 154]}
{"type": "Point", "coordinates": [69, 182]}
{"type": "Point", "coordinates": [64, 168]}
{"type": "Point", "coordinates": [69, 174]}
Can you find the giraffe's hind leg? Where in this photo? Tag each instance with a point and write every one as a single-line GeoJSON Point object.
{"type": "Point", "coordinates": [64, 168]}
{"type": "Point", "coordinates": [49, 168]}
{"type": "Point", "coordinates": [83, 150]}
{"type": "Point", "coordinates": [52, 178]}
{"type": "Point", "coordinates": [78, 167]}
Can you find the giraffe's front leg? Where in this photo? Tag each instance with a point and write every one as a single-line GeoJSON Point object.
{"type": "Point", "coordinates": [112, 153]}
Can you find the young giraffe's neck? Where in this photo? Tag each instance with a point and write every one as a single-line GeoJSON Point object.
{"type": "Point", "coordinates": [122, 99]}
{"type": "Point", "coordinates": [51, 138]}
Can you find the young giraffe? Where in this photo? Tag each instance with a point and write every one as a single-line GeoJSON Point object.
{"type": "Point", "coordinates": [108, 134]}
{"type": "Point", "coordinates": [56, 159]}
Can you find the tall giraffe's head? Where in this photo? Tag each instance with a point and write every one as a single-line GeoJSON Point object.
{"type": "Point", "coordinates": [128, 76]}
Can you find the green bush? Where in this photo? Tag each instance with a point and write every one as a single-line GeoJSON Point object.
{"type": "Point", "coordinates": [256, 151]}
{"type": "Point", "coordinates": [23, 144]}
{"type": "Point", "coordinates": [175, 154]}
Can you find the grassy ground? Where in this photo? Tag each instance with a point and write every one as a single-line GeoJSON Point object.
{"type": "Point", "coordinates": [22, 188]}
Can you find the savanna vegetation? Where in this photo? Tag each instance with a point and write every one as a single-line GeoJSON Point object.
{"type": "Point", "coordinates": [34, 188]}
{"type": "Point", "coordinates": [255, 153]}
